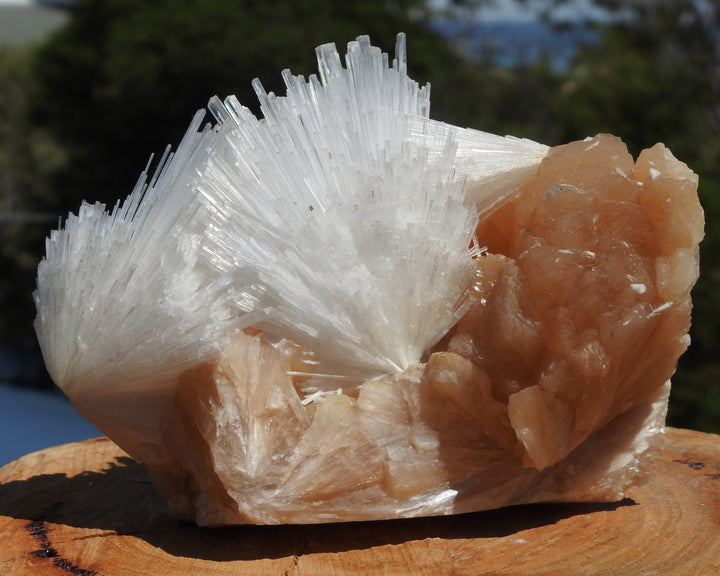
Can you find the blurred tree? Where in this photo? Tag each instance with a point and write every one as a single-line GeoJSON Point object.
{"type": "Point", "coordinates": [654, 77]}
{"type": "Point", "coordinates": [29, 157]}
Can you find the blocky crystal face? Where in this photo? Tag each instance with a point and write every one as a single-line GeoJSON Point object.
{"type": "Point", "coordinates": [345, 310]}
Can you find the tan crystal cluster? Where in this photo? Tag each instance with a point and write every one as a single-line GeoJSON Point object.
{"type": "Point", "coordinates": [552, 387]}
{"type": "Point", "coordinates": [346, 310]}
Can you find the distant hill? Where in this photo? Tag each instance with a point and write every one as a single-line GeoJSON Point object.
{"type": "Point", "coordinates": [509, 43]}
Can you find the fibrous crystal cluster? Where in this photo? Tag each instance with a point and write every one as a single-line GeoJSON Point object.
{"type": "Point", "coordinates": [346, 310]}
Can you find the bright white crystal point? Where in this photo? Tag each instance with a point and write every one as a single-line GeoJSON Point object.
{"type": "Point", "coordinates": [342, 220]}
{"type": "Point", "coordinates": [108, 297]}
{"type": "Point", "coordinates": [363, 253]}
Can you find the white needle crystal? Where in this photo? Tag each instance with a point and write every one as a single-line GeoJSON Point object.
{"type": "Point", "coordinates": [341, 220]}
{"type": "Point", "coordinates": [345, 310]}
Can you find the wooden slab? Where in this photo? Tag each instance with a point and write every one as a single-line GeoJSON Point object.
{"type": "Point", "coordinates": [88, 509]}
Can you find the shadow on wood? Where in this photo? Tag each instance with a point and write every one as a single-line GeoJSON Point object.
{"type": "Point", "coordinates": [121, 499]}
{"type": "Point", "coordinates": [88, 509]}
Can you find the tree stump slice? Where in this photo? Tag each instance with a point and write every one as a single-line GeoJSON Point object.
{"type": "Point", "coordinates": [88, 509]}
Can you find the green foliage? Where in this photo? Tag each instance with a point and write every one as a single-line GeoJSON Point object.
{"type": "Point", "coordinates": [29, 157]}
{"type": "Point", "coordinates": [123, 79]}
{"type": "Point", "coordinates": [652, 79]}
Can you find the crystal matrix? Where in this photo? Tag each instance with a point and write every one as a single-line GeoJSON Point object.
{"type": "Point", "coordinates": [345, 310]}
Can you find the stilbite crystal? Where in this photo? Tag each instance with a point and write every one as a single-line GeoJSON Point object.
{"type": "Point", "coordinates": [348, 311]}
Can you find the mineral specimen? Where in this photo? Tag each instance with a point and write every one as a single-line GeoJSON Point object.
{"type": "Point", "coordinates": [345, 310]}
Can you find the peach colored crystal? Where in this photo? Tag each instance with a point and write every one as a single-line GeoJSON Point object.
{"type": "Point", "coordinates": [552, 387]}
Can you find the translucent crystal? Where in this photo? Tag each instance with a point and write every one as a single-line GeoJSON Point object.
{"type": "Point", "coordinates": [346, 310]}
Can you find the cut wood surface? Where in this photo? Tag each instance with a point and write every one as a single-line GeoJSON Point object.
{"type": "Point", "coordinates": [87, 508]}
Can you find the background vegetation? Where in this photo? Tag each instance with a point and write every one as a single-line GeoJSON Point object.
{"type": "Point", "coordinates": [81, 112]}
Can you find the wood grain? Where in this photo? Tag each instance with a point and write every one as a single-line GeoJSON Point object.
{"type": "Point", "coordinates": [88, 509]}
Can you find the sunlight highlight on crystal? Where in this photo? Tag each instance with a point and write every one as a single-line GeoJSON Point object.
{"type": "Point", "coordinates": [344, 310]}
